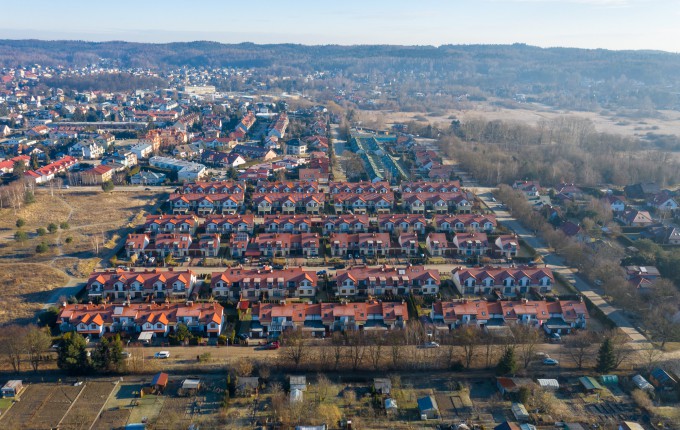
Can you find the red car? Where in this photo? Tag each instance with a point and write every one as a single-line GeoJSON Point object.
{"type": "Point", "coordinates": [272, 345]}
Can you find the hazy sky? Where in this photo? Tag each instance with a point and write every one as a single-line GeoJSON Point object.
{"type": "Point", "coordinates": [612, 24]}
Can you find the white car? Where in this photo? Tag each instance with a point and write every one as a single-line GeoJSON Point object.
{"type": "Point", "coordinates": [431, 345]}
{"type": "Point", "coordinates": [162, 354]}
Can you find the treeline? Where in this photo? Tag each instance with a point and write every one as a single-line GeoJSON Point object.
{"type": "Point", "coordinates": [566, 149]}
{"type": "Point", "coordinates": [601, 264]}
{"type": "Point", "coordinates": [105, 82]}
{"type": "Point", "coordinates": [636, 81]}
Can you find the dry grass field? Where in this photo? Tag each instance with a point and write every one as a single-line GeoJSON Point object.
{"type": "Point", "coordinates": [25, 287]}
{"type": "Point", "coordinates": [42, 406]}
{"type": "Point", "coordinates": [94, 219]}
{"type": "Point", "coordinates": [668, 122]}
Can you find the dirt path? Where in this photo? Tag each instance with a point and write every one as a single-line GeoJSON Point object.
{"type": "Point", "coordinates": [60, 251]}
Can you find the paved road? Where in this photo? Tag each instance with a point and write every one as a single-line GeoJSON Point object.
{"type": "Point", "coordinates": [557, 264]}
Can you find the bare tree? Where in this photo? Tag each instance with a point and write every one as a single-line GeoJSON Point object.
{"type": "Point", "coordinates": [526, 340]}
{"type": "Point", "coordinates": [357, 348]}
{"type": "Point", "coordinates": [468, 338]}
{"type": "Point", "coordinates": [323, 386]}
{"type": "Point", "coordinates": [13, 345]}
{"type": "Point", "coordinates": [375, 350]}
{"type": "Point", "coordinates": [338, 342]}
{"type": "Point", "coordinates": [294, 347]}
{"type": "Point", "coordinates": [243, 367]}
{"type": "Point", "coordinates": [395, 340]}
{"type": "Point", "coordinates": [579, 347]}
{"type": "Point", "coordinates": [38, 341]}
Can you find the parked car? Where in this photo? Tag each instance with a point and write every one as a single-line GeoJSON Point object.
{"type": "Point", "coordinates": [277, 267]}
{"type": "Point", "coordinates": [243, 336]}
{"type": "Point", "coordinates": [321, 273]}
{"type": "Point", "coordinates": [272, 345]}
{"type": "Point", "coordinates": [147, 189]}
{"type": "Point", "coordinates": [338, 267]}
{"type": "Point", "coordinates": [431, 345]}
{"type": "Point", "coordinates": [555, 337]}
{"type": "Point", "coordinates": [162, 354]}
{"type": "Point", "coordinates": [550, 362]}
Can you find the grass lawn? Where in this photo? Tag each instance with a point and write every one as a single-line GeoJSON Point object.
{"type": "Point", "coordinates": [4, 405]}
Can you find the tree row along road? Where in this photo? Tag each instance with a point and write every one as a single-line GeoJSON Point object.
{"type": "Point", "coordinates": [557, 264]}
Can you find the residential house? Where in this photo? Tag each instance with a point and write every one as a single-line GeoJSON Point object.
{"type": "Point", "coordinates": [158, 284]}
{"type": "Point", "coordinates": [301, 187]}
{"type": "Point", "coordinates": [97, 175]}
{"type": "Point", "coordinates": [386, 280]}
{"type": "Point", "coordinates": [175, 244]}
{"type": "Point", "coordinates": [663, 201]}
{"type": "Point", "coordinates": [403, 223]}
{"type": "Point", "coordinates": [217, 187]}
{"type": "Point", "coordinates": [287, 244]}
{"type": "Point", "coordinates": [288, 203]}
{"type": "Point", "coordinates": [430, 187]}
{"type": "Point", "coordinates": [528, 188]}
{"type": "Point", "coordinates": [362, 203]}
{"type": "Point", "coordinates": [345, 224]}
{"type": "Point", "coordinates": [507, 245]}
{"type": "Point", "coordinates": [508, 280]}
{"type": "Point", "coordinates": [230, 223]}
{"type": "Point", "coordinates": [365, 244]}
{"type": "Point", "coordinates": [148, 178]}
{"type": "Point", "coordinates": [617, 203]}
{"type": "Point", "coordinates": [560, 316]}
{"type": "Point", "coordinates": [437, 244]}
{"type": "Point", "coordinates": [635, 218]}
{"type": "Point", "coordinates": [155, 224]}
{"type": "Point", "coordinates": [159, 320]}
{"type": "Point", "coordinates": [641, 190]}
{"type": "Point", "coordinates": [254, 152]}
{"type": "Point", "coordinates": [205, 204]}
{"type": "Point", "coordinates": [362, 187]}
{"type": "Point", "coordinates": [296, 147]}
{"type": "Point", "coordinates": [256, 284]}
{"type": "Point", "coordinates": [408, 242]}
{"type": "Point", "coordinates": [439, 203]}
{"type": "Point", "coordinates": [569, 191]}
{"type": "Point", "coordinates": [209, 245]}
{"type": "Point", "coordinates": [324, 318]}
{"type": "Point", "coordinates": [287, 224]}
{"type": "Point", "coordinates": [471, 244]}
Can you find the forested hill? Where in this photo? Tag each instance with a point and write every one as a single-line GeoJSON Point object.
{"type": "Point", "coordinates": [562, 77]}
{"type": "Point", "coordinates": [521, 61]}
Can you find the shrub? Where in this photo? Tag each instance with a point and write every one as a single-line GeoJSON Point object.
{"type": "Point", "coordinates": [52, 227]}
{"type": "Point", "coordinates": [42, 248]}
{"type": "Point", "coordinates": [64, 226]}
{"type": "Point", "coordinates": [41, 231]}
{"type": "Point", "coordinates": [20, 236]}
{"type": "Point", "coordinates": [21, 222]}
{"type": "Point", "coordinates": [69, 239]}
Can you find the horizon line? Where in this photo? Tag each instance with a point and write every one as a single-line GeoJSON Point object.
{"type": "Point", "coordinates": [337, 44]}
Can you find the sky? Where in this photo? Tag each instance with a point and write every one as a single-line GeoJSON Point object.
{"type": "Point", "coordinates": [609, 24]}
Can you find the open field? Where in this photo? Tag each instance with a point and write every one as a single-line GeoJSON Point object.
{"type": "Point", "coordinates": [667, 123]}
{"type": "Point", "coordinates": [93, 219]}
{"type": "Point", "coordinates": [25, 287]}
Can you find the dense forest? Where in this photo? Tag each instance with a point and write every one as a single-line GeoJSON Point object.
{"type": "Point", "coordinates": [567, 149]}
{"type": "Point", "coordinates": [562, 77]}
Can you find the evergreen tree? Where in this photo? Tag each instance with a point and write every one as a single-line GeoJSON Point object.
{"type": "Point", "coordinates": [72, 354]}
{"type": "Point", "coordinates": [108, 354]}
{"type": "Point", "coordinates": [606, 358]}
{"type": "Point", "coordinates": [507, 364]}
